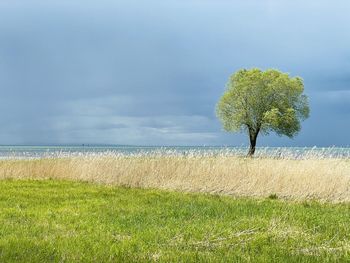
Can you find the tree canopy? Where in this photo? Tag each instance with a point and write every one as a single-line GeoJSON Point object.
{"type": "Point", "coordinates": [259, 101]}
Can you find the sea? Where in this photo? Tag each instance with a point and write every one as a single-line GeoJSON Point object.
{"type": "Point", "coordinates": [30, 152]}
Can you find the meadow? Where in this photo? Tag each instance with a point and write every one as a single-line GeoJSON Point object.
{"type": "Point", "coordinates": [66, 221]}
{"type": "Point", "coordinates": [175, 207]}
{"type": "Point", "coordinates": [312, 175]}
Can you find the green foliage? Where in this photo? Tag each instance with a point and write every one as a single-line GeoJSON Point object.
{"type": "Point", "coordinates": [263, 101]}
{"type": "Point", "coordinates": [61, 221]}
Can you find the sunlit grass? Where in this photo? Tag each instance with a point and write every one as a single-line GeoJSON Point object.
{"type": "Point", "coordinates": [62, 221]}
{"type": "Point", "coordinates": [309, 176]}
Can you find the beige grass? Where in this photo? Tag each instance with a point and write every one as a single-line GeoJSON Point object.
{"type": "Point", "coordinates": [325, 179]}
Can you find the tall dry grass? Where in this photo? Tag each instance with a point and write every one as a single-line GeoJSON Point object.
{"type": "Point", "coordinates": [320, 178]}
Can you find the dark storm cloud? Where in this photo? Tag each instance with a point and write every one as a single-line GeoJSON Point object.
{"type": "Point", "coordinates": [151, 72]}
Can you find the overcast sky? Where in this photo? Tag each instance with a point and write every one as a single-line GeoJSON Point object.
{"type": "Point", "coordinates": [150, 72]}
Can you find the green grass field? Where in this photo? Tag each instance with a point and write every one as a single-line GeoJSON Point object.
{"type": "Point", "coordinates": [62, 221]}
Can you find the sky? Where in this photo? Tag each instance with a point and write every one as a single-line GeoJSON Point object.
{"type": "Point", "coordinates": [151, 72]}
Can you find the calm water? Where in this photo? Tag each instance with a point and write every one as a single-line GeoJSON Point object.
{"type": "Point", "coordinates": [61, 151]}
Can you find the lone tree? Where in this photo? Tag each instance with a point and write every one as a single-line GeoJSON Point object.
{"type": "Point", "coordinates": [257, 101]}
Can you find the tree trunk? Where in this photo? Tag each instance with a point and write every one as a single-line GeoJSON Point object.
{"type": "Point", "coordinates": [252, 137]}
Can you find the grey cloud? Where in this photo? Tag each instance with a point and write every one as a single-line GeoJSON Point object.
{"type": "Point", "coordinates": [151, 72]}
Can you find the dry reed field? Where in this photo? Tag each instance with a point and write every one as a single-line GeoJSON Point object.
{"type": "Point", "coordinates": [311, 177]}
